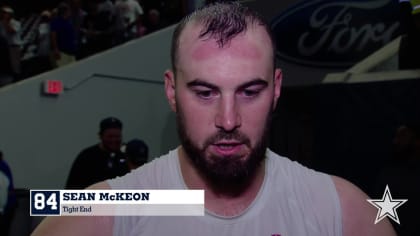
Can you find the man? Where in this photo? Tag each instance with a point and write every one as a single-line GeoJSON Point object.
{"type": "Point", "coordinates": [100, 161]}
{"type": "Point", "coordinates": [409, 50]}
{"type": "Point", "coordinates": [63, 36]}
{"type": "Point", "coordinates": [10, 29]}
{"type": "Point", "coordinates": [7, 210]}
{"type": "Point", "coordinates": [137, 153]}
{"type": "Point", "coordinates": [4, 192]}
{"type": "Point", "coordinates": [223, 88]}
{"type": "Point", "coordinates": [6, 71]}
{"type": "Point", "coordinates": [128, 14]}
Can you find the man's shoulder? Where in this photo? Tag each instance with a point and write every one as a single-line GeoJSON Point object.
{"type": "Point", "coordinates": [296, 176]}
{"type": "Point", "coordinates": [89, 153]}
{"type": "Point", "coordinates": [163, 162]}
{"type": "Point", "coordinates": [161, 171]}
{"type": "Point", "coordinates": [275, 156]}
{"type": "Point", "coordinates": [285, 163]}
{"type": "Point", "coordinates": [358, 216]}
{"type": "Point", "coordinates": [90, 149]}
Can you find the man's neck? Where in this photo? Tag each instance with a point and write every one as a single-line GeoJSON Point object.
{"type": "Point", "coordinates": [221, 201]}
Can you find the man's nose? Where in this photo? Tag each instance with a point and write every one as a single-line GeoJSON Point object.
{"type": "Point", "coordinates": [228, 117]}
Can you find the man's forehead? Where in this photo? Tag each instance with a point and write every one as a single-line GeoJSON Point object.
{"type": "Point", "coordinates": [190, 33]}
{"type": "Point", "coordinates": [254, 42]}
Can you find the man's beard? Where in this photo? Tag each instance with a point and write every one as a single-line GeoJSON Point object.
{"type": "Point", "coordinates": [232, 172]}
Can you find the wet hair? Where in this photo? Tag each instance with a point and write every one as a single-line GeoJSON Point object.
{"type": "Point", "coordinates": [221, 21]}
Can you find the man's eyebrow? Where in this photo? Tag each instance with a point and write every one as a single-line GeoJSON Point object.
{"type": "Point", "coordinates": [253, 82]}
{"type": "Point", "coordinates": [199, 82]}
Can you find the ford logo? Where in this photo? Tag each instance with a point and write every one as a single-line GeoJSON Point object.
{"type": "Point", "coordinates": [332, 33]}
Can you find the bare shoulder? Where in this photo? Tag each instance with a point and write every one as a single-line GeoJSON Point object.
{"type": "Point", "coordinates": [100, 185]}
{"type": "Point", "coordinates": [77, 225]}
{"type": "Point", "coordinates": [358, 215]}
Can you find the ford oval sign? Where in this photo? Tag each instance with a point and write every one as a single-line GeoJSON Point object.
{"type": "Point", "coordinates": [333, 33]}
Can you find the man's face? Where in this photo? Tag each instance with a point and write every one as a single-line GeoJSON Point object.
{"type": "Point", "coordinates": [111, 139]}
{"type": "Point", "coordinates": [223, 98]}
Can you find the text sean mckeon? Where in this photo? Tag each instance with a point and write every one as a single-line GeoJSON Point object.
{"type": "Point", "coordinates": [117, 202]}
{"type": "Point", "coordinates": [106, 196]}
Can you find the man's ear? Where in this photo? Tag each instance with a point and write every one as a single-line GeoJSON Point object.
{"type": "Point", "coordinates": [278, 77]}
{"type": "Point", "coordinates": [170, 89]}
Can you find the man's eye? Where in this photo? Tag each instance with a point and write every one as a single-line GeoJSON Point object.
{"type": "Point", "coordinates": [205, 94]}
{"type": "Point", "coordinates": [250, 92]}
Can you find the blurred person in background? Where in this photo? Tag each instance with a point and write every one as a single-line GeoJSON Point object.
{"type": "Point", "coordinates": [43, 39]}
{"type": "Point", "coordinates": [63, 36]}
{"type": "Point", "coordinates": [137, 153]}
{"type": "Point", "coordinates": [100, 161]}
{"type": "Point", "coordinates": [127, 13]}
{"type": "Point", "coordinates": [10, 29]}
{"type": "Point", "coordinates": [409, 51]}
{"type": "Point", "coordinates": [154, 22]}
{"type": "Point", "coordinates": [98, 28]}
{"type": "Point", "coordinates": [8, 209]}
{"type": "Point", "coordinates": [4, 186]}
{"type": "Point", "coordinates": [6, 73]}
{"type": "Point", "coordinates": [77, 19]}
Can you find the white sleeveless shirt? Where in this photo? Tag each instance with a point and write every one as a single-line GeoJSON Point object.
{"type": "Point", "coordinates": [293, 201]}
